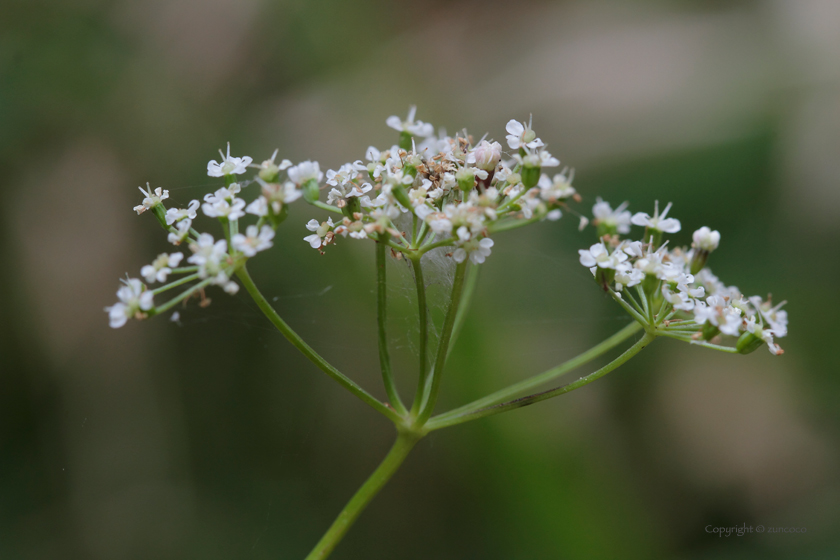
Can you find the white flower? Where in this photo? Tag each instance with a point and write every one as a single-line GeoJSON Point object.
{"type": "Point", "coordinates": [669, 272]}
{"type": "Point", "coordinates": [686, 296]}
{"type": "Point", "coordinates": [627, 277]}
{"type": "Point", "coordinates": [258, 207]}
{"type": "Point", "coordinates": [558, 189]}
{"type": "Point", "coordinates": [717, 311]}
{"type": "Point", "coordinates": [134, 299]}
{"type": "Point", "coordinates": [161, 267]}
{"type": "Point", "coordinates": [231, 287]}
{"type": "Point", "coordinates": [177, 214]}
{"type": "Point", "coordinates": [274, 195]}
{"type": "Point", "coordinates": [224, 209]}
{"type": "Point", "coordinates": [152, 198]}
{"type": "Point", "coordinates": [229, 165]}
{"type": "Point", "coordinates": [540, 158]}
{"type": "Point", "coordinates": [584, 221]}
{"type": "Point", "coordinates": [776, 317]}
{"type": "Point", "coordinates": [657, 222]}
{"type": "Point", "coordinates": [485, 156]}
{"type": "Point", "coordinates": [253, 241]}
{"type": "Point", "coordinates": [345, 173]}
{"type": "Point", "coordinates": [268, 169]}
{"type": "Point", "coordinates": [632, 248]}
{"type": "Point", "coordinates": [321, 231]}
{"type": "Point", "coordinates": [346, 189]}
{"type": "Point", "coordinates": [183, 231]}
{"type": "Point", "coordinates": [477, 249]}
{"type": "Point", "coordinates": [765, 334]}
{"type": "Point", "coordinates": [223, 194]}
{"type": "Point", "coordinates": [415, 128]}
{"type": "Point", "coordinates": [521, 136]}
{"type": "Point", "coordinates": [706, 239]}
{"type": "Point", "coordinates": [439, 223]}
{"type": "Point", "coordinates": [209, 256]}
{"type": "Point", "coordinates": [598, 256]}
{"type": "Point", "coordinates": [554, 215]}
{"type": "Point", "coordinates": [304, 171]}
{"type": "Point", "coordinates": [618, 218]}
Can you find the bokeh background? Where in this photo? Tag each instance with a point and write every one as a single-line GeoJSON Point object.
{"type": "Point", "coordinates": [211, 438]}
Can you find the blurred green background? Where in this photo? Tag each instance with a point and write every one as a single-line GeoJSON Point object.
{"type": "Point", "coordinates": [213, 439]}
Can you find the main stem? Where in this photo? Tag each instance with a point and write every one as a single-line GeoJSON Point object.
{"type": "Point", "coordinates": [307, 350]}
{"type": "Point", "coordinates": [383, 473]}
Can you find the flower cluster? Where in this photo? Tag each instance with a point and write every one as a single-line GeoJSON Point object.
{"type": "Point", "coordinates": [677, 294]}
{"type": "Point", "coordinates": [211, 262]}
{"type": "Point", "coordinates": [454, 191]}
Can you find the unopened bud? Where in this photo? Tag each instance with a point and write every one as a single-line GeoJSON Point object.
{"type": "Point", "coordinates": [604, 277]}
{"type": "Point", "coordinates": [486, 156]}
{"type": "Point", "coordinates": [405, 140]}
{"type": "Point", "coordinates": [351, 206]}
{"type": "Point", "coordinates": [279, 217]}
{"type": "Point", "coordinates": [710, 331]}
{"type": "Point", "coordinates": [748, 342]}
{"type": "Point", "coordinates": [269, 172]}
{"type": "Point", "coordinates": [704, 242]}
{"type": "Point", "coordinates": [311, 192]}
{"type": "Point", "coordinates": [530, 176]}
{"type": "Point", "coordinates": [401, 195]}
{"type": "Point", "coordinates": [465, 178]}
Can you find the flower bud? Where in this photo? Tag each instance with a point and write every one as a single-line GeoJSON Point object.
{"type": "Point", "coordinates": [351, 206]}
{"type": "Point", "coordinates": [269, 172]}
{"type": "Point", "coordinates": [705, 241]}
{"type": "Point", "coordinates": [604, 277]}
{"type": "Point", "coordinates": [311, 191]}
{"type": "Point", "coordinates": [748, 342]}
{"type": "Point", "coordinates": [279, 217]}
{"type": "Point", "coordinates": [465, 178]}
{"type": "Point", "coordinates": [710, 331]}
{"type": "Point", "coordinates": [401, 195]}
{"type": "Point", "coordinates": [486, 156]}
{"type": "Point", "coordinates": [405, 140]}
{"type": "Point", "coordinates": [530, 176]}
{"type": "Point", "coordinates": [650, 285]}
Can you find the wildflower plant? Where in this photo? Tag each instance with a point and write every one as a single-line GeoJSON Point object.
{"type": "Point", "coordinates": [449, 197]}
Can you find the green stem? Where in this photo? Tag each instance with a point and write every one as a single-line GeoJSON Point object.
{"type": "Point", "coordinates": [307, 350]}
{"type": "Point", "coordinates": [443, 344]}
{"type": "Point", "coordinates": [426, 248]}
{"type": "Point", "coordinates": [464, 307]}
{"type": "Point", "coordinates": [645, 305]}
{"type": "Point", "coordinates": [424, 331]}
{"type": "Point", "coordinates": [424, 230]}
{"type": "Point", "coordinates": [381, 318]}
{"type": "Point", "coordinates": [727, 349]}
{"type": "Point", "coordinates": [176, 283]}
{"type": "Point", "coordinates": [535, 398]}
{"type": "Point", "coordinates": [386, 469]}
{"type": "Point", "coordinates": [181, 297]}
{"type": "Point", "coordinates": [327, 207]}
{"type": "Point", "coordinates": [515, 223]}
{"type": "Point", "coordinates": [633, 313]}
{"type": "Point", "coordinates": [546, 376]}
